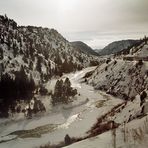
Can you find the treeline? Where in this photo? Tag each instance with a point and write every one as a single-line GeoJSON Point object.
{"type": "Point", "coordinates": [65, 65]}
{"type": "Point", "coordinates": [12, 89]}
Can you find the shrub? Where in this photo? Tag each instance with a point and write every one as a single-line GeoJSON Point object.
{"type": "Point", "coordinates": [67, 140]}
{"type": "Point", "coordinates": [43, 90]}
{"type": "Point", "coordinates": [38, 106]}
{"type": "Point", "coordinates": [108, 60]}
{"type": "Point", "coordinates": [106, 68]}
{"type": "Point", "coordinates": [139, 63]}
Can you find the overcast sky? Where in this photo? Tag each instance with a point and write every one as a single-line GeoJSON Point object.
{"type": "Point", "coordinates": [96, 22]}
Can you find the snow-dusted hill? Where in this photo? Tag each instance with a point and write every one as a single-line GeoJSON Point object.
{"type": "Point", "coordinates": [117, 46]}
{"type": "Point", "coordinates": [123, 76]}
{"type": "Point", "coordinates": [41, 51]}
{"type": "Point", "coordinates": [124, 79]}
{"type": "Point", "coordinates": [80, 46]}
{"type": "Point", "coordinates": [30, 56]}
{"type": "Point", "coordinates": [135, 49]}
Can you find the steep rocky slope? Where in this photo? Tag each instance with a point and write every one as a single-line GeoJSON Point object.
{"type": "Point", "coordinates": [124, 77]}
{"type": "Point", "coordinates": [121, 78]}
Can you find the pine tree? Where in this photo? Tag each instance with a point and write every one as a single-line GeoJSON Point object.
{"type": "Point", "coordinates": [57, 96]}
{"type": "Point", "coordinates": [67, 140]}
{"type": "Point", "coordinates": [67, 87]}
{"type": "Point", "coordinates": [63, 91]}
{"type": "Point", "coordinates": [39, 65]}
{"type": "Point", "coordinates": [1, 53]}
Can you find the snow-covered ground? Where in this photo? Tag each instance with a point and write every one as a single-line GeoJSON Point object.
{"type": "Point", "coordinates": [130, 134]}
{"type": "Point", "coordinates": [74, 119]}
{"type": "Point", "coordinates": [133, 135]}
{"type": "Point", "coordinates": [125, 79]}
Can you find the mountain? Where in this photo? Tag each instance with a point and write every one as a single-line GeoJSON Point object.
{"type": "Point", "coordinates": [125, 76]}
{"type": "Point", "coordinates": [136, 49]}
{"type": "Point", "coordinates": [38, 73]}
{"type": "Point", "coordinates": [117, 46]}
{"type": "Point", "coordinates": [82, 47]}
{"type": "Point", "coordinates": [39, 50]}
{"type": "Point", "coordinates": [30, 56]}
{"type": "Point", "coordinates": [97, 50]}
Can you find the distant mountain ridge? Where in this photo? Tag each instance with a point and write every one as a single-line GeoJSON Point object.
{"type": "Point", "coordinates": [117, 46]}
{"type": "Point", "coordinates": [81, 46]}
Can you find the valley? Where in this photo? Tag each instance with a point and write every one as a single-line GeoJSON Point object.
{"type": "Point", "coordinates": [55, 93]}
{"type": "Point", "coordinates": [66, 119]}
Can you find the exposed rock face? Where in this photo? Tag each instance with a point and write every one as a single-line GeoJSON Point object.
{"type": "Point", "coordinates": [123, 78]}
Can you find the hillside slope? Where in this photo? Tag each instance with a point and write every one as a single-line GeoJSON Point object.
{"type": "Point", "coordinates": [117, 46]}
{"type": "Point", "coordinates": [30, 56]}
{"type": "Point", "coordinates": [132, 131]}
{"type": "Point", "coordinates": [80, 46]}
{"type": "Point", "coordinates": [123, 77]}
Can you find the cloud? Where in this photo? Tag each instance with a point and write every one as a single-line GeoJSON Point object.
{"type": "Point", "coordinates": [81, 19]}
